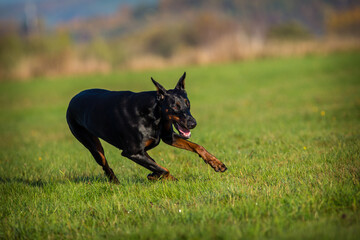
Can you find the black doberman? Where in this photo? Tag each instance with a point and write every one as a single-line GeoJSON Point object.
{"type": "Point", "coordinates": [135, 123]}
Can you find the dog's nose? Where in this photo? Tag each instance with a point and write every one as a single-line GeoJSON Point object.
{"type": "Point", "coordinates": [191, 123]}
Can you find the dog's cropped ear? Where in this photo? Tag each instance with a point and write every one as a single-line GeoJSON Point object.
{"type": "Point", "coordinates": [181, 83]}
{"type": "Point", "coordinates": [160, 89]}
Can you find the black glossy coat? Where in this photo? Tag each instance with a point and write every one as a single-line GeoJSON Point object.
{"type": "Point", "coordinates": [132, 122]}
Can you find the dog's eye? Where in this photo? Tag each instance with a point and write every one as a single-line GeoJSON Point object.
{"type": "Point", "coordinates": [177, 106]}
{"type": "Point", "coordinates": [187, 103]}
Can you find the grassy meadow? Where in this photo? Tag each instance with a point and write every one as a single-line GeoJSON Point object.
{"type": "Point", "coordinates": [288, 130]}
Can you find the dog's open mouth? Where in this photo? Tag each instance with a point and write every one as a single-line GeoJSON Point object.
{"type": "Point", "coordinates": [183, 131]}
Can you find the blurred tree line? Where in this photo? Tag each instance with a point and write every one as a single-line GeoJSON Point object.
{"type": "Point", "coordinates": [169, 29]}
{"type": "Point", "coordinates": [48, 49]}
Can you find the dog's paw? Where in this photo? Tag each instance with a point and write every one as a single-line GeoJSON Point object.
{"type": "Point", "coordinates": [222, 168]}
{"type": "Point", "coordinates": [219, 167]}
{"type": "Point", "coordinates": [169, 177]}
{"type": "Point", "coordinates": [157, 176]}
{"type": "Point", "coordinates": [216, 164]}
{"type": "Point", "coordinates": [113, 179]}
{"type": "Point", "coordinates": [153, 176]}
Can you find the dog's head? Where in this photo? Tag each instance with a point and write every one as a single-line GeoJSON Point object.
{"type": "Point", "coordinates": [176, 107]}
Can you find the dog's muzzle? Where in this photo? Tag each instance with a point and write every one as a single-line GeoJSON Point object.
{"type": "Point", "coordinates": [185, 131]}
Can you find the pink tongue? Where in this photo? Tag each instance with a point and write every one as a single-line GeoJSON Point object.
{"type": "Point", "coordinates": [184, 131]}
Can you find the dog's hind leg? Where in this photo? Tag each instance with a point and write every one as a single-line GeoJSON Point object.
{"type": "Point", "coordinates": [92, 143]}
{"type": "Point", "coordinates": [142, 158]}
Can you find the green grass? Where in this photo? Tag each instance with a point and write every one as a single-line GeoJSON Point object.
{"type": "Point", "coordinates": [287, 129]}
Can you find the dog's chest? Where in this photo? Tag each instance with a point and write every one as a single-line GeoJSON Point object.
{"type": "Point", "coordinates": [151, 139]}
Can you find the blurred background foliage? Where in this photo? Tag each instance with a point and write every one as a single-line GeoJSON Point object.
{"type": "Point", "coordinates": [50, 38]}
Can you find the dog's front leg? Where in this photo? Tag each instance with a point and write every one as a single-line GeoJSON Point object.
{"type": "Point", "coordinates": [143, 159]}
{"type": "Point", "coordinates": [203, 153]}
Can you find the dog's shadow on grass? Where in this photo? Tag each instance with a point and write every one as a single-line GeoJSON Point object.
{"type": "Point", "coordinates": [87, 179]}
{"type": "Point", "coordinates": [84, 179]}
{"type": "Point", "coordinates": [41, 183]}
{"type": "Point", "coordinates": [32, 183]}
{"type": "Point", "coordinates": [133, 179]}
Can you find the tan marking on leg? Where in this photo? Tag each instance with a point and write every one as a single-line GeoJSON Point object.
{"type": "Point", "coordinates": [149, 142]}
{"type": "Point", "coordinates": [158, 176]}
{"type": "Point", "coordinates": [203, 153]}
{"type": "Point", "coordinates": [100, 150]}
